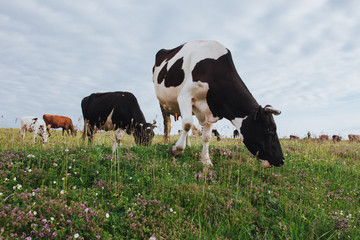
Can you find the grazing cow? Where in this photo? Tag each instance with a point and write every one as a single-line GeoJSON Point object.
{"type": "Point", "coordinates": [56, 121]}
{"type": "Point", "coordinates": [323, 137]}
{"type": "Point", "coordinates": [293, 137]}
{"type": "Point", "coordinates": [336, 138]}
{"type": "Point", "coordinates": [354, 138]}
{"type": "Point", "coordinates": [33, 124]}
{"type": "Point", "coordinates": [236, 134]}
{"type": "Point", "coordinates": [116, 110]}
{"type": "Point", "coordinates": [200, 78]}
{"type": "Point", "coordinates": [216, 134]}
{"type": "Point", "coordinates": [195, 131]}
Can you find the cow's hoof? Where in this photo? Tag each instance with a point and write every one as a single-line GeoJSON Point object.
{"type": "Point", "coordinates": [206, 162]}
{"type": "Point", "coordinates": [174, 150]}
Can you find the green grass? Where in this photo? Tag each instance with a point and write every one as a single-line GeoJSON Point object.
{"type": "Point", "coordinates": [87, 191]}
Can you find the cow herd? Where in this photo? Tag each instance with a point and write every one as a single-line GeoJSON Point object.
{"type": "Point", "coordinates": [197, 78]}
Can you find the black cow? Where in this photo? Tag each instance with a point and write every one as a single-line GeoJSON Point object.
{"type": "Point", "coordinates": [116, 110]}
{"type": "Point", "coordinates": [200, 78]}
{"type": "Point", "coordinates": [216, 134]}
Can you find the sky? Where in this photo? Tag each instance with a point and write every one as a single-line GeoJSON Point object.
{"type": "Point", "coordinates": [301, 56]}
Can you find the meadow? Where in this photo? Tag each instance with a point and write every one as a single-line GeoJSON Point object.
{"type": "Point", "coordinates": [69, 189]}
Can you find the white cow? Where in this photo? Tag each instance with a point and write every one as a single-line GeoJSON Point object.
{"type": "Point", "coordinates": [34, 124]}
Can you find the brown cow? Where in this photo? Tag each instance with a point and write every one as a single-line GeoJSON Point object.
{"type": "Point", "coordinates": [354, 138]}
{"type": "Point", "coordinates": [294, 137]}
{"type": "Point", "coordinates": [56, 121]}
{"type": "Point", "coordinates": [323, 137]}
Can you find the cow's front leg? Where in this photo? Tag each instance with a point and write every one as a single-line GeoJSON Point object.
{"type": "Point", "coordinates": [206, 137]}
{"type": "Point", "coordinates": [187, 122]}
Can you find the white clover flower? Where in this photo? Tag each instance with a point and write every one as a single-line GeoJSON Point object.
{"type": "Point", "coordinates": [35, 213]}
{"type": "Point", "coordinates": [74, 187]}
{"type": "Point", "coordinates": [76, 235]}
{"type": "Point", "coordinates": [66, 150]}
{"type": "Point", "coordinates": [74, 160]}
{"type": "Point", "coordinates": [55, 164]}
{"type": "Point", "coordinates": [171, 210]}
{"type": "Point", "coordinates": [30, 156]}
{"type": "Point", "coordinates": [69, 167]}
{"type": "Point", "coordinates": [54, 182]}
{"type": "Point", "coordinates": [130, 178]}
{"type": "Point", "coordinates": [30, 170]}
{"type": "Point", "coordinates": [62, 192]}
{"type": "Point", "coordinates": [14, 178]}
{"type": "Point", "coordinates": [96, 194]}
{"type": "Point", "coordinates": [52, 219]}
{"type": "Point", "coordinates": [86, 210]}
{"type": "Point", "coordinates": [107, 215]}
{"type": "Point", "coordinates": [6, 179]}
{"type": "Point", "coordinates": [63, 179]}
{"type": "Point", "coordinates": [1, 193]}
{"type": "Point", "coordinates": [19, 186]}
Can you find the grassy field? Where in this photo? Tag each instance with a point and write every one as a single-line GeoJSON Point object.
{"type": "Point", "coordinates": [68, 189]}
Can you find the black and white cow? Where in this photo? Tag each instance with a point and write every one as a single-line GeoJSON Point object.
{"type": "Point", "coordinates": [200, 78]}
{"type": "Point", "coordinates": [116, 110]}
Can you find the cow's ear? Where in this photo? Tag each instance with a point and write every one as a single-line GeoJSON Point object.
{"type": "Point", "coordinates": [270, 109]}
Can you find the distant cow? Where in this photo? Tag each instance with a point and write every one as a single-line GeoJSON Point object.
{"type": "Point", "coordinates": [200, 78]}
{"type": "Point", "coordinates": [33, 124]}
{"type": "Point", "coordinates": [195, 131]}
{"type": "Point", "coordinates": [216, 134]}
{"type": "Point", "coordinates": [236, 134]}
{"type": "Point", "coordinates": [293, 137]}
{"type": "Point", "coordinates": [323, 137]}
{"type": "Point", "coordinates": [336, 138]}
{"type": "Point", "coordinates": [56, 121]}
{"type": "Point", "coordinates": [116, 110]}
{"type": "Point", "coordinates": [354, 138]}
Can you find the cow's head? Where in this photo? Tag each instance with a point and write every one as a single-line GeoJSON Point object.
{"type": "Point", "coordinates": [144, 133]}
{"type": "Point", "coordinates": [260, 137]}
{"type": "Point", "coordinates": [43, 134]}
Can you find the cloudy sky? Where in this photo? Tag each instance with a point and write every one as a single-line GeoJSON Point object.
{"type": "Point", "coordinates": [300, 56]}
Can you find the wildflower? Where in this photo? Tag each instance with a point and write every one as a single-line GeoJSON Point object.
{"type": "Point", "coordinates": [28, 238]}
{"type": "Point", "coordinates": [74, 187]}
{"type": "Point", "coordinates": [52, 219]}
{"type": "Point", "coordinates": [6, 179]}
{"type": "Point", "coordinates": [35, 213]}
{"type": "Point", "coordinates": [30, 156]}
{"type": "Point", "coordinates": [54, 182]}
{"type": "Point", "coordinates": [152, 237]}
{"type": "Point", "coordinates": [96, 194]}
{"type": "Point", "coordinates": [66, 149]}
{"type": "Point", "coordinates": [14, 178]}
{"type": "Point", "coordinates": [30, 170]}
{"type": "Point", "coordinates": [63, 179]}
{"type": "Point", "coordinates": [130, 178]}
{"type": "Point", "coordinates": [55, 164]}
{"type": "Point", "coordinates": [43, 221]}
{"type": "Point", "coordinates": [1, 193]}
{"type": "Point", "coordinates": [33, 193]}
{"type": "Point", "coordinates": [62, 192]}
{"type": "Point", "coordinates": [107, 215]}
{"type": "Point", "coordinates": [69, 167]}
{"type": "Point", "coordinates": [76, 235]}
{"type": "Point", "coordinates": [171, 210]}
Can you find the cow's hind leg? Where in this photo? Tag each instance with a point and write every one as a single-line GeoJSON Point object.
{"type": "Point", "coordinates": [187, 122]}
{"type": "Point", "coordinates": [167, 125]}
{"type": "Point", "coordinates": [206, 137]}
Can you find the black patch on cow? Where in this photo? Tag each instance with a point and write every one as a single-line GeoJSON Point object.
{"type": "Point", "coordinates": [175, 76]}
{"type": "Point", "coordinates": [228, 97]}
{"type": "Point", "coordinates": [166, 55]}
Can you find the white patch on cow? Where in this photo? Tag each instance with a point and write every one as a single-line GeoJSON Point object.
{"type": "Point", "coordinates": [237, 122]}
